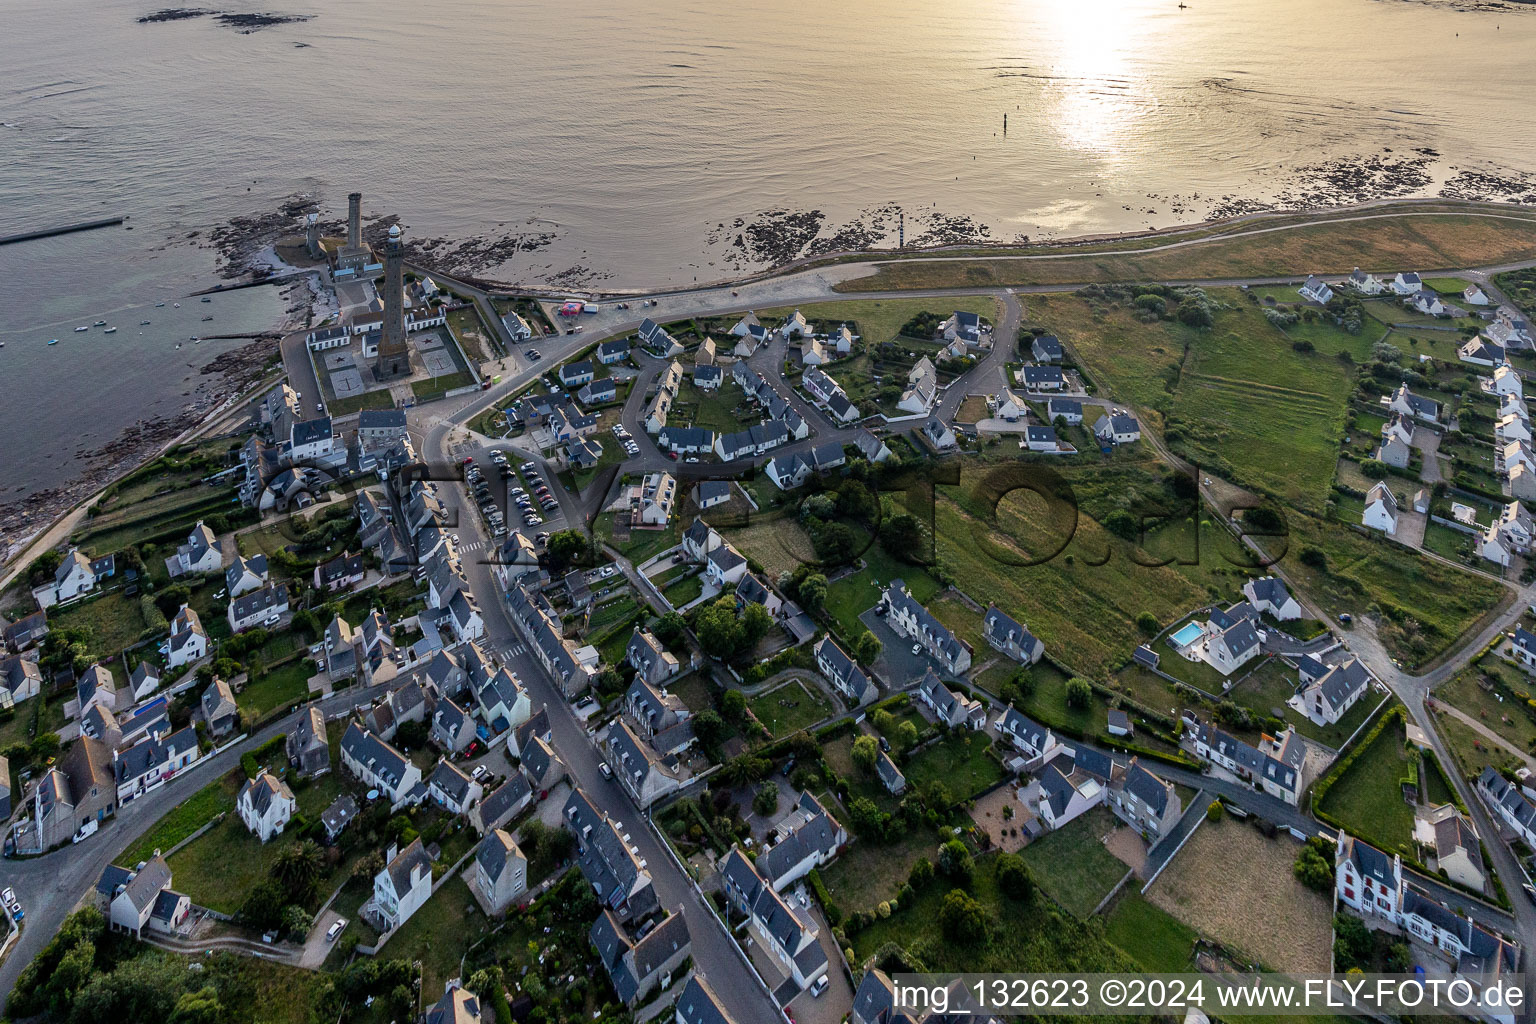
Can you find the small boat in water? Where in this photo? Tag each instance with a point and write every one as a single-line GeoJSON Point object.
{"type": "Point", "coordinates": [55, 341]}
{"type": "Point", "coordinates": [110, 330]}
{"type": "Point", "coordinates": [159, 305]}
{"type": "Point", "coordinates": [206, 318]}
{"type": "Point", "coordinates": [143, 323]}
{"type": "Point", "coordinates": [207, 299]}
{"type": "Point", "coordinates": [175, 305]}
{"type": "Point", "coordinates": [79, 329]}
{"type": "Point", "coordinates": [100, 323]}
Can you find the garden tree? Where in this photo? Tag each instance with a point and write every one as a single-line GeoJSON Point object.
{"type": "Point", "coordinates": [733, 705]}
{"type": "Point", "coordinates": [906, 735]}
{"type": "Point", "coordinates": [1195, 309]}
{"type": "Point", "coordinates": [866, 751]}
{"type": "Point", "coordinates": [740, 771]}
{"type": "Point", "coordinates": [144, 988]}
{"type": "Point", "coordinates": [962, 917]}
{"type": "Point", "coordinates": [298, 867]}
{"type": "Point", "coordinates": [411, 734]}
{"type": "Point", "coordinates": [43, 567]}
{"type": "Point", "coordinates": [955, 861]}
{"type": "Point", "coordinates": [669, 628]}
{"type": "Point", "coordinates": [565, 547]}
{"type": "Point", "coordinates": [170, 600]}
{"type": "Point", "coordinates": [921, 873]}
{"type": "Point", "coordinates": [1351, 942]}
{"type": "Point", "coordinates": [1147, 623]}
{"type": "Point", "coordinates": [1373, 469]}
{"type": "Point", "coordinates": [766, 801]}
{"type": "Point", "coordinates": [755, 624]}
{"type": "Point", "coordinates": [200, 1007]}
{"type": "Point", "coordinates": [834, 543]}
{"type": "Point", "coordinates": [1386, 352]}
{"type": "Point", "coordinates": [1264, 519]}
{"type": "Point", "coordinates": [812, 591]}
{"type": "Point", "coordinates": [902, 536]}
{"type": "Point", "coordinates": [1079, 693]}
{"type": "Point", "coordinates": [883, 720]}
{"type": "Point", "coordinates": [935, 795]}
{"type": "Point", "coordinates": [1013, 877]}
{"type": "Point", "coordinates": [867, 648]}
{"type": "Point", "coordinates": [1122, 524]}
{"type": "Point", "coordinates": [818, 506]}
{"type": "Point", "coordinates": [297, 921]}
{"type": "Point", "coordinates": [1314, 557]}
{"type": "Point", "coordinates": [866, 818]}
{"type": "Point", "coordinates": [263, 906]}
{"type": "Point", "coordinates": [609, 682]}
{"type": "Point", "coordinates": [709, 728]}
{"type": "Point", "coordinates": [856, 501]}
{"type": "Point", "coordinates": [719, 632]}
{"type": "Point", "coordinates": [1399, 958]}
{"type": "Point", "coordinates": [371, 863]}
{"type": "Point", "coordinates": [1314, 865]}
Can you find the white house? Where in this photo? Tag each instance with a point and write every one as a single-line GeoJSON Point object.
{"type": "Point", "coordinates": [1480, 351]}
{"type": "Point", "coordinates": [1367, 880]}
{"type": "Point", "coordinates": [1316, 290]}
{"type": "Point", "coordinates": [377, 764]}
{"type": "Point", "coordinates": [1117, 427]}
{"type": "Point", "coordinates": [1366, 284]}
{"type": "Point", "coordinates": [1380, 509]}
{"type": "Point", "coordinates": [1009, 636]}
{"type": "Point", "coordinates": [1009, 407]}
{"type": "Point", "coordinates": [1472, 295]}
{"type": "Point", "coordinates": [258, 608]}
{"type": "Point", "coordinates": [1406, 403]}
{"type": "Point", "coordinates": [841, 670]}
{"type": "Point", "coordinates": [1407, 283]}
{"type": "Point", "coordinates": [922, 388]}
{"type": "Point", "coordinates": [1506, 381]}
{"type": "Point", "coordinates": [794, 326]}
{"type": "Point", "coordinates": [1271, 597]}
{"type": "Point", "coordinates": [1233, 647]}
{"type": "Point", "coordinates": [403, 886]}
{"type": "Point", "coordinates": [1327, 699]}
{"type": "Point", "coordinates": [938, 434]}
{"type": "Point", "coordinates": [245, 575]}
{"type": "Point", "coordinates": [265, 804]}
{"type": "Point", "coordinates": [909, 618]}
{"type": "Point", "coordinates": [188, 641]}
{"type": "Point", "coordinates": [1512, 428]}
{"type": "Point", "coordinates": [201, 553]}
{"type": "Point", "coordinates": [451, 789]}
{"type": "Point", "coordinates": [76, 575]}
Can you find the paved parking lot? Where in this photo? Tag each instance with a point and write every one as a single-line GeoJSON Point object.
{"type": "Point", "coordinates": [897, 663]}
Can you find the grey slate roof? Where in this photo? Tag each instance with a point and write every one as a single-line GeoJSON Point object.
{"type": "Point", "coordinates": [495, 852]}
{"type": "Point", "coordinates": [700, 1005]}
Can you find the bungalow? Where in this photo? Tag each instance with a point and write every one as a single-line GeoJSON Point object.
{"type": "Point", "coordinates": [245, 575]}
{"type": "Point", "coordinates": [951, 708]}
{"type": "Point", "coordinates": [710, 493]}
{"type": "Point", "coordinates": [872, 448]}
{"type": "Point", "coordinates": [708, 378]}
{"type": "Point", "coordinates": [1480, 351]}
{"type": "Point", "coordinates": [937, 434]}
{"type": "Point", "coordinates": [574, 375]}
{"type": "Point", "coordinates": [615, 351]}
{"type": "Point", "coordinates": [1046, 348]}
{"type": "Point", "coordinates": [1316, 290]}
{"type": "Point", "coordinates": [787, 938]}
{"type": "Point", "coordinates": [403, 886]}
{"type": "Point", "coordinates": [1067, 410]}
{"type": "Point", "coordinates": [842, 671]}
{"type": "Point", "coordinates": [1329, 698]}
{"type": "Point", "coordinates": [1043, 378]}
{"type": "Point", "coordinates": [201, 553]}
{"type": "Point", "coordinates": [1009, 407]}
{"type": "Point", "coordinates": [1380, 509]}
{"type": "Point", "coordinates": [133, 906]}
{"type": "Point", "coordinates": [378, 765]}
{"type": "Point", "coordinates": [264, 805]}
{"type": "Point", "coordinates": [805, 838]}
{"type": "Point", "coordinates": [1009, 636]}
{"type": "Point", "coordinates": [188, 641]}
{"type": "Point", "coordinates": [1043, 439]}
{"type": "Point", "coordinates": [1269, 595]}
{"type": "Point", "coordinates": [1407, 284]}
{"type": "Point", "coordinates": [1407, 403]}
{"type": "Point", "coordinates": [1117, 427]}
{"type": "Point", "coordinates": [911, 619]}
{"type": "Point", "coordinates": [686, 440]}
{"type": "Point", "coordinates": [598, 392]}
{"type": "Point", "coordinates": [220, 711]}
{"type": "Point", "coordinates": [1029, 737]}
{"type": "Point", "coordinates": [517, 327]}
{"type": "Point", "coordinates": [451, 789]}
{"type": "Point", "coordinates": [501, 870]}
{"type": "Point", "coordinates": [264, 607]}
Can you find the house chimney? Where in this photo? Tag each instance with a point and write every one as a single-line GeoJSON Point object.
{"type": "Point", "coordinates": [355, 220]}
{"type": "Point", "coordinates": [391, 853]}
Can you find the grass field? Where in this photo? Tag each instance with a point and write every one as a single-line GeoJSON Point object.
{"type": "Point", "coordinates": [789, 708]}
{"type": "Point", "coordinates": [471, 332]}
{"type": "Point", "coordinates": [960, 761]}
{"type": "Point", "coordinates": [876, 321]}
{"type": "Point", "coordinates": [439, 934]}
{"type": "Point", "coordinates": [1505, 717]}
{"type": "Point", "coordinates": [773, 540]}
{"type": "Point", "coordinates": [684, 589]}
{"type": "Point", "coordinates": [868, 872]}
{"type": "Point", "coordinates": [1436, 603]}
{"type": "Point", "coordinates": [1471, 751]}
{"type": "Point", "coordinates": [1157, 940]}
{"type": "Point", "coordinates": [855, 594]}
{"type": "Point", "coordinates": [278, 688]}
{"type": "Point", "coordinates": [221, 866]}
{"type": "Point", "coordinates": [180, 822]}
{"type": "Point", "coordinates": [1368, 799]}
{"type": "Point", "coordinates": [1414, 239]}
{"type": "Point", "coordinates": [1278, 921]}
{"type": "Point", "coordinates": [642, 544]}
{"type": "Point", "coordinates": [113, 622]}
{"type": "Point", "coordinates": [1073, 866]}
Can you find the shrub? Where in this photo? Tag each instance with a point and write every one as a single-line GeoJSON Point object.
{"type": "Point", "coordinates": [1213, 812]}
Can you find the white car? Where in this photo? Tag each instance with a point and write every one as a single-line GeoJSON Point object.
{"type": "Point", "coordinates": [609, 570]}
{"type": "Point", "coordinates": [335, 929]}
{"type": "Point", "coordinates": [917, 648]}
{"type": "Point", "coordinates": [480, 772]}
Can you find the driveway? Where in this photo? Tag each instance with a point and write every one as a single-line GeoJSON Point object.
{"type": "Point", "coordinates": [897, 665]}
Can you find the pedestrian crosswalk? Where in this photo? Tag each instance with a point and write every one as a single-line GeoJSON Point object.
{"type": "Point", "coordinates": [516, 650]}
{"type": "Point", "coordinates": [472, 546]}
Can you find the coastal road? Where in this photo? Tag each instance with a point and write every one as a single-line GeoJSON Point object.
{"type": "Point", "coordinates": [51, 885]}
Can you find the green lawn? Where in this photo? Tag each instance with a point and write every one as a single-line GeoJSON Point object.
{"type": "Point", "coordinates": [278, 688]}
{"type": "Point", "coordinates": [1157, 940]}
{"type": "Point", "coordinates": [219, 868]}
{"type": "Point", "coordinates": [1367, 798]}
{"type": "Point", "coordinates": [1476, 691]}
{"type": "Point", "coordinates": [869, 871]}
{"type": "Point", "coordinates": [642, 544]}
{"type": "Point", "coordinates": [681, 591]}
{"type": "Point", "coordinates": [180, 822]}
{"type": "Point", "coordinates": [433, 387]}
{"type": "Point", "coordinates": [1427, 605]}
{"type": "Point", "coordinates": [113, 622]}
{"type": "Point", "coordinates": [789, 708]}
{"type": "Point", "coordinates": [1072, 864]}
{"type": "Point", "coordinates": [357, 403]}
{"type": "Point", "coordinates": [855, 594]}
{"type": "Point", "coordinates": [960, 761]}
{"type": "Point", "coordinates": [439, 934]}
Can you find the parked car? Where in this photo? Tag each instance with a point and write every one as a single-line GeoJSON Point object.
{"type": "Point", "coordinates": [335, 929]}
{"type": "Point", "coordinates": [480, 772]}
{"type": "Point", "coordinates": [602, 766]}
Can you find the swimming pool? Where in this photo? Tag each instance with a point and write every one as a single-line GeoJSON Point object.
{"type": "Point", "coordinates": [1187, 634]}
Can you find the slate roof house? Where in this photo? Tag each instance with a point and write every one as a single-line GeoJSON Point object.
{"type": "Point", "coordinates": [307, 748]}
{"type": "Point", "coordinates": [1028, 736]}
{"type": "Point", "coordinates": [953, 709]}
{"type": "Point", "coordinates": [638, 766]}
{"type": "Point", "coordinates": [805, 838]}
{"type": "Point", "coordinates": [219, 709]}
{"type": "Point", "coordinates": [842, 671]}
{"type": "Point", "coordinates": [264, 805]}
{"type": "Point", "coordinates": [791, 941]}
{"type": "Point", "coordinates": [1329, 698]}
{"type": "Point", "coordinates": [501, 870]}
{"type": "Point", "coordinates": [1269, 595]}
{"type": "Point", "coordinates": [403, 886]}
{"type": "Point", "coordinates": [377, 764]}
{"type": "Point", "coordinates": [909, 618]}
{"type": "Point", "coordinates": [1009, 636]}
{"type": "Point", "coordinates": [640, 967]}
{"type": "Point", "coordinates": [1274, 767]}
{"type": "Point", "coordinates": [606, 860]}
{"type": "Point", "coordinates": [501, 804]}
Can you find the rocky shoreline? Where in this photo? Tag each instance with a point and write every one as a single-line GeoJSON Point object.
{"type": "Point", "coordinates": [245, 24]}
